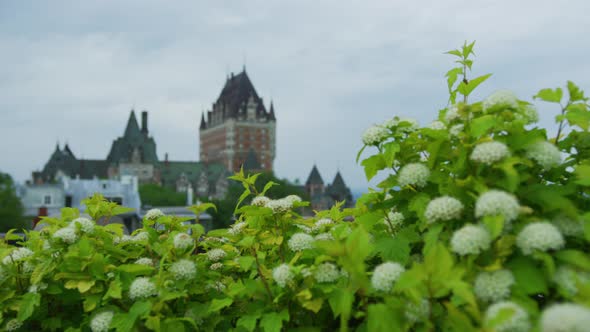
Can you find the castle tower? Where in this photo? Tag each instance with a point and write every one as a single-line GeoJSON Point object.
{"type": "Point", "coordinates": [238, 124]}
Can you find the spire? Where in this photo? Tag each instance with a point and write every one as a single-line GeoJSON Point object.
{"type": "Point", "coordinates": [338, 181]}
{"type": "Point", "coordinates": [67, 150]}
{"type": "Point", "coordinates": [203, 123]}
{"type": "Point", "coordinates": [272, 111]}
{"type": "Point", "coordinates": [132, 126]}
{"type": "Point", "coordinates": [314, 177]}
{"type": "Point", "coordinates": [57, 147]}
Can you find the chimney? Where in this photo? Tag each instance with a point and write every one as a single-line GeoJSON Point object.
{"type": "Point", "coordinates": [144, 128]}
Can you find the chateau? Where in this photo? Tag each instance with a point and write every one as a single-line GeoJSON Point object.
{"type": "Point", "coordinates": [238, 131]}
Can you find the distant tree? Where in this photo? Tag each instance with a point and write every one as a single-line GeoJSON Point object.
{"type": "Point", "coordinates": [155, 195]}
{"type": "Point", "coordinates": [223, 217]}
{"type": "Point", "coordinates": [11, 208]}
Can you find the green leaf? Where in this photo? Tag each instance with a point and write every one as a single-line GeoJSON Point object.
{"type": "Point", "coordinates": [373, 165]}
{"type": "Point", "coordinates": [529, 278]}
{"type": "Point", "coordinates": [550, 95]}
{"type": "Point", "coordinates": [358, 155]}
{"type": "Point", "coordinates": [474, 83]}
{"type": "Point", "coordinates": [246, 262]}
{"type": "Point", "coordinates": [267, 186]}
{"type": "Point", "coordinates": [115, 290]}
{"type": "Point", "coordinates": [467, 49]}
{"type": "Point", "coordinates": [341, 302]}
{"type": "Point", "coordinates": [494, 224]}
{"type": "Point", "coordinates": [381, 318]}
{"type": "Point", "coordinates": [273, 322]}
{"type": "Point", "coordinates": [27, 305]}
{"type": "Point", "coordinates": [248, 322]}
{"type": "Point", "coordinates": [482, 124]}
{"type": "Point", "coordinates": [455, 52]}
{"type": "Point", "coordinates": [578, 115]}
{"type": "Point", "coordinates": [395, 249]}
{"type": "Point", "coordinates": [218, 304]}
{"type": "Point", "coordinates": [582, 173]}
{"type": "Point", "coordinates": [575, 93]}
{"type": "Point", "coordinates": [389, 151]}
{"type": "Point", "coordinates": [574, 257]}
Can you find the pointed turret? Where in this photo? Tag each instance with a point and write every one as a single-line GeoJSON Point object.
{"type": "Point", "coordinates": [314, 177]}
{"type": "Point", "coordinates": [338, 190]}
{"type": "Point", "coordinates": [271, 115]}
{"type": "Point", "coordinates": [132, 126]}
{"type": "Point", "coordinates": [67, 150]}
{"type": "Point", "coordinates": [203, 123]}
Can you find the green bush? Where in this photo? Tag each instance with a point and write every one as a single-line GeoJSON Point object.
{"type": "Point", "coordinates": [483, 224]}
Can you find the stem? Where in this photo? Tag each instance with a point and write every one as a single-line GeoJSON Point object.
{"type": "Point", "coordinates": [561, 122]}
{"type": "Point", "coordinates": [465, 81]}
{"type": "Point", "coordinates": [262, 275]}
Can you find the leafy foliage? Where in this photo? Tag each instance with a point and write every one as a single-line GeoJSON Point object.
{"type": "Point", "coordinates": [490, 242]}
{"type": "Point", "coordinates": [155, 195]}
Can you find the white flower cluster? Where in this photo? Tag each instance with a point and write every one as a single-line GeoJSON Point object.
{"type": "Point", "coordinates": [281, 205]}
{"type": "Point", "coordinates": [237, 228]}
{"type": "Point", "coordinates": [452, 114]}
{"type": "Point", "coordinates": [122, 239]}
{"type": "Point", "coordinates": [568, 226]}
{"type": "Point", "coordinates": [321, 223]}
{"type": "Point", "coordinates": [413, 124]}
{"type": "Point", "coordinates": [293, 199]}
{"type": "Point", "coordinates": [457, 129]}
{"type": "Point", "coordinates": [217, 285]}
{"type": "Point", "coordinates": [540, 236]}
{"type": "Point", "coordinates": [216, 254]}
{"type": "Point", "coordinates": [303, 228]}
{"type": "Point", "coordinates": [517, 321]}
{"type": "Point", "coordinates": [393, 220]}
{"type": "Point", "coordinates": [13, 325]}
{"type": "Point", "coordinates": [282, 275]}
{"type": "Point", "coordinates": [324, 237]}
{"type": "Point", "coordinates": [300, 241]}
{"type": "Point", "coordinates": [375, 135]}
{"type": "Point", "coordinates": [437, 125]}
{"type": "Point", "coordinates": [102, 321]}
{"type": "Point", "coordinates": [497, 202]}
{"type": "Point", "coordinates": [140, 237]}
{"type": "Point", "coordinates": [35, 288]}
{"type": "Point", "coordinates": [66, 234]}
{"type": "Point", "coordinates": [260, 201]}
{"type": "Point", "coordinates": [443, 208]}
{"type": "Point", "coordinates": [216, 266]}
{"type": "Point", "coordinates": [414, 174]}
{"type": "Point", "coordinates": [567, 279]}
{"type": "Point", "coordinates": [565, 317]}
{"type": "Point", "coordinates": [326, 272]}
{"type": "Point", "coordinates": [470, 240]}
{"type": "Point", "coordinates": [529, 114]}
{"type": "Point", "coordinates": [183, 269]}
{"type": "Point", "coordinates": [545, 154]}
{"type": "Point", "coordinates": [144, 261]}
{"type": "Point", "coordinates": [153, 214]}
{"type": "Point", "coordinates": [142, 288]}
{"type": "Point", "coordinates": [86, 225]}
{"type": "Point", "coordinates": [499, 100]}
{"type": "Point", "coordinates": [489, 152]}
{"type": "Point", "coordinates": [183, 241]}
{"type": "Point", "coordinates": [417, 312]}
{"type": "Point", "coordinates": [16, 255]}
{"type": "Point", "coordinates": [493, 286]}
{"type": "Point", "coordinates": [385, 274]}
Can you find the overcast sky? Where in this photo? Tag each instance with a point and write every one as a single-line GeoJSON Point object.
{"type": "Point", "coordinates": [72, 70]}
